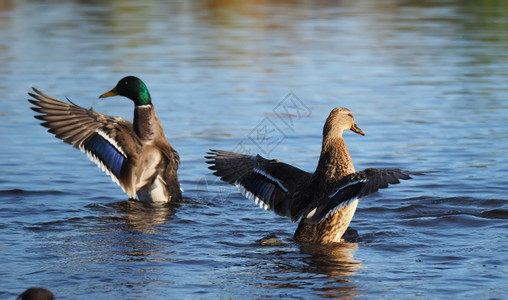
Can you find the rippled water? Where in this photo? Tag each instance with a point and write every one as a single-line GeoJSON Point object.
{"type": "Point", "coordinates": [426, 81]}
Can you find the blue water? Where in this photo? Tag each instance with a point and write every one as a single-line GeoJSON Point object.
{"type": "Point", "coordinates": [426, 80]}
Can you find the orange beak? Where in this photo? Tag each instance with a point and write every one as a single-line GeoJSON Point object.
{"type": "Point", "coordinates": [357, 130]}
{"type": "Point", "coordinates": [111, 93]}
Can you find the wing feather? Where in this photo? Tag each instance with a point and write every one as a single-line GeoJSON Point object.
{"type": "Point", "coordinates": [270, 183]}
{"type": "Point", "coordinates": [110, 142]}
{"type": "Point", "coordinates": [352, 187]}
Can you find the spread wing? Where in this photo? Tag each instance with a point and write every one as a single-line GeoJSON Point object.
{"type": "Point", "coordinates": [354, 186]}
{"type": "Point", "coordinates": [110, 142]}
{"type": "Point", "coordinates": [270, 183]}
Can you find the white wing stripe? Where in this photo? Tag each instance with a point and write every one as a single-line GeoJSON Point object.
{"type": "Point", "coordinates": [346, 186]}
{"type": "Point", "coordinates": [98, 162]}
{"type": "Point", "coordinates": [111, 141]}
{"type": "Point", "coordinates": [341, 205]}
{"type": "Point", "coordinates": [101, 165]}
{"type": "Point", "coordinates": [270, 177]}
{"type": "Point", "coordinates": [251, 196]}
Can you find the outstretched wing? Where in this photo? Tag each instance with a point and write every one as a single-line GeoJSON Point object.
{"type": "Point", "coordinates": [352, 187]}
{"type": "Point", "coordinates": [270, 183]}
{"type": "Point", "coordinates": [109, 142]}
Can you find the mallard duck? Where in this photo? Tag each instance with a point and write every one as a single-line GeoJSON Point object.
{"type": "Point", "coordinates": [325, 200]}
{"type": "Point", "coordinates": [137, 155]}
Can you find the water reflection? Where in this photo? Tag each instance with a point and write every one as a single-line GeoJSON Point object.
{"type": "Point", "coordinates": [295, 270]}
{"type": "Point", "coordinates": [143, 217]}
{"type": "Point", "coordinates": [338, 264]}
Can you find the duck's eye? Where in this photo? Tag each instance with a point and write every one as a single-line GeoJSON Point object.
{"type": "Point", "coordinates": [350, 114]}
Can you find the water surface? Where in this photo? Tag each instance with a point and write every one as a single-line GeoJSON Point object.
{"type": "Point", "coordinates": [425, 80]}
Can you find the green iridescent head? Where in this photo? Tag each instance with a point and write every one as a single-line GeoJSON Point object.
{"type": "Point", "coordinates": [132, 88]}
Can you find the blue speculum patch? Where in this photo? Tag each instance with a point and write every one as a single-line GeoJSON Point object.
{"type": "Point", "coordinates": [107, 153]}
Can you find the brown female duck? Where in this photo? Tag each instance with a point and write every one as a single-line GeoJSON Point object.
{"type": "Point", "coordinates": [325, 200]}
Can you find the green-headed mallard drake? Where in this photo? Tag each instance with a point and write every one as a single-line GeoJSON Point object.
{"type": "Point", "coordinates": [325, 200]}
{"type": "Point", "coordinates": [137, 155]}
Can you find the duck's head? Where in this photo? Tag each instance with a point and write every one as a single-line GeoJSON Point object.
{"type": "Point", "coordinates": [339, 120]}
{"type": "Point", "coordinates": [132, 88]}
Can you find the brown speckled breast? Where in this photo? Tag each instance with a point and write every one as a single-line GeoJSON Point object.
{"type": "Point", "coordinates": [328, 231]}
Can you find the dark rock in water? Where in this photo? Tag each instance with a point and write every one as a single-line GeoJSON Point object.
{"type": "Point", "coordinates": [351, 235]}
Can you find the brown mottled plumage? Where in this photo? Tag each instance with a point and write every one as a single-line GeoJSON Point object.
{"type": "Point", "coordinates": [325, 200]}
{"type": "Point", "coordinates": [328, 231]}
{"type": "Point", "coordinates": [137, 155]}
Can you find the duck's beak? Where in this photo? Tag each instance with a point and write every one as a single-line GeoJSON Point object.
{"type": "Point", "coordinates": [354, 128]}
{"type": "Point", "coordinates": [111, 93]}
